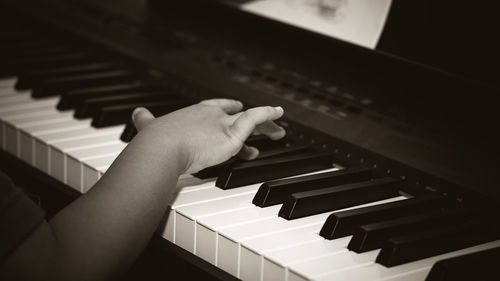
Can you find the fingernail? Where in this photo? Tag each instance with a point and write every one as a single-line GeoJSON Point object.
{"type": "Point", "coordinates": [279, 108]}
{"type": "Point", "coordinates": [135, 112]}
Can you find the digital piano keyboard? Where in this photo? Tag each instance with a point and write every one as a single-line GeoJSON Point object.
{"type": "Point", "coordinates": [351, 193]}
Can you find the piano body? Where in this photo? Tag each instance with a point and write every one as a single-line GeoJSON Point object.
{"type": "Point", "coordinates": [389, 167]}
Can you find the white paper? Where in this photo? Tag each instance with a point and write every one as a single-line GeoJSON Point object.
{"type": "Point", "coordinates": [356, 21]}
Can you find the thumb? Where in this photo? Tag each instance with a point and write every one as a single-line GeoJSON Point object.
{"type": "Point", "coordinates": [141, 117]}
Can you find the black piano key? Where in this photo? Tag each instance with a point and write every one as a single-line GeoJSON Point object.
{"type": "Point", "coordinates": [57, 86]}
{"type": "Point", "coordinates": [342, 224]}
{"type": "Point", "coordinates": [371, 236]}
{"type": "Point", "coordinates": [276, 192]}
{"type": "Point", "coordinates": [72, 98]}
{"type": "Point", "coordinates": [121, 114]}
{"type": "Point", "coordinates": [272, 168]}
{"type": "Point", "coordinates": [317, 201]}
{"type": "Point", "coordinates": [90, 106]}
{"type": "Point", "coordinates": [481, 265]}
{"type": "Point", "coordinates": [427, 243]}
{"type": "Point", "coordinates": [34, 52]}
{"type": "Point", "coordinates": [128, 133]}
{"type": "Point", "coordinates": [32, 79]}
{"type": "Point", "coordinates": [40, 62]}
{"type": "Point", "coordinates": [214, 171]}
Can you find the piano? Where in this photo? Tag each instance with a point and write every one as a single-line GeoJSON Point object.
{"type": "Point", "coordinates": [388, 170]}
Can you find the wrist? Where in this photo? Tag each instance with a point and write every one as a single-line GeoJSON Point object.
{"type": "Point", "coordinates": [164, 148]}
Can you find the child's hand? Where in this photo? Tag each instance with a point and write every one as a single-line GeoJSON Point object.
{"type": "Point", "coordinates": [211, 131]}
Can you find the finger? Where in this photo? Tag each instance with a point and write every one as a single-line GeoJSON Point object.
{"type": "Point", "coordinates": [141, 118]}
{"type": "Point", "coordinates": [227, 105]}
{"type": "Point", "coordinates": [270, 129]}
{"type": "Point", "coordinates": [248, 120]}
{"type": "Point", "coordinates": [248, 152]}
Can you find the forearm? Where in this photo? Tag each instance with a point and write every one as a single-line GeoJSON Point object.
{"type": "Point", "coordinates": [109, 226]}
{"type": "Point", "coordinates": [103, 231]}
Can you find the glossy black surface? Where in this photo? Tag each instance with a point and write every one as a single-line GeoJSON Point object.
{"type": "Point", "coordinates": [431, 242]}
{"type": "Point", "coordinates": [481, 265]}
{"type": "Point", "coordinates": [33, 79]}
{"type": "Point", "coordinates": [276, 192]}
{"type": "Point", "coordinates": [89, 106]}
{"type": "Point", "coordinates": [371, 236]}
{"type": "Point", "coordinates": [121, 114]}
{"type": "Point", "coordinates": [58, 86]}
{"type": "Point", "coordinates": [73, 98]}
{"type": "Point", "coordinates": [251, 172]}
{"type": "Point", "coordinates": [341, 224]}
{"type": "Point", "coordinates": [322, 200]}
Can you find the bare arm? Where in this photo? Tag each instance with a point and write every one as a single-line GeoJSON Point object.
{"type": "Point", "coordinates": [102, 233]}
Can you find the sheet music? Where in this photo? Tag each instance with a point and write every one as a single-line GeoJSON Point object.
{"type": "Point", "coordinates": [356, 21]}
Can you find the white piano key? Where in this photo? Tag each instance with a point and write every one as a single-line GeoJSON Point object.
{"type": "Point", "coordinates": [417, 275]}
{"type": "Point", "coordinates": [25, 112]}
{"type": "Point", "coordinates": [58, 154]}
{"type": "Point", "coordinates": [225, 204]}
{"type": "Point", "coordinates": [186, 217]}
{"type": "Point", "coordinates": [196, 191]}
{"type": "Point", "coordinates": [19, 116]}
{"type": "Point", "coordinates": [168, 231]}
{"type": "Point", "coordinates": [403, 271]}
{"type": "Point", "coordinates": [366, 273]}
{"type": "Point", "coordinates": [91, 170]}
{"type": "Point", "coordinates": [7, 83]}
{"type": "Point", "coordinates": [7, 115]}
{"type": "Point", "coordinates": [210, 194]}
{"type": "Point", "coordinates": [229, 239]}
{"type": "Point", "coordinates": [214, 193]}
{"type": "Point", "coordinates": [41, 117]}
{"type": "Point", "coordinates": [44, 141]}
{"type": "Point", "coordinates": [9, 142]}
{"type": "Point", "coordinates": [28, 135]}
{"type": "Point", "coordinates": [207, 227]}
{"type": "Point", "coordinates": [29, 104]}
{"type": "Point", "coordinates": [6, 90]}
{"type": "Point", "coordinates": [331, 264]}
{"type": "Point", "coordinates": [191, 183]}
{"type": "Point", "coordinates": [16, 115]}
{"type": "Point", "coordinates": [12, 129]}
{"type": "Point", "coordinates": [86, 172]}
{"type": "Point", "coordinates": [103, 170]}
{"type": "Point", "coordinates": [275, 263]}
{"type": "Point", "coordinates": [34, 116]}
{"type": "Point", "coordinates": [252, 251]}
{"type": "Point", "coordinates": [234, 237]}
{"type": "Point", "coordinates": [19, 97]}
{"type": "Point", "coordinates": [207, 193]}
{"type": "Point", "coordinates": [74, 159]}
